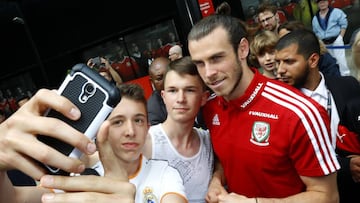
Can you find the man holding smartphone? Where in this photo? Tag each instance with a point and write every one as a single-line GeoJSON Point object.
{"type": "Point", "coordinates": [114, 186]}
{"type": "Point", "coordinates": [102, 65]}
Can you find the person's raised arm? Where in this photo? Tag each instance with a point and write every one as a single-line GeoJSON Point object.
{"type": "Point", "coordinates": [114, 74]}
{"type": "Point", "coordinates": [112, 187]}
{"type": "Point", "coordinates": [19, 146]}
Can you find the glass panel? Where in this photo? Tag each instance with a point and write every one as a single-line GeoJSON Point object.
{"type": "Point", "coordinates": [131, 55]}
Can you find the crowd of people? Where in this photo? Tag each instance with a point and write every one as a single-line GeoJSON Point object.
{"type": "Point", "coordinates": [268, 117]}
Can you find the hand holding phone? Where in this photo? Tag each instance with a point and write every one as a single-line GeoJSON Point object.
{"type": "Point", "coordinates": [94, 96]}
{"type": "Point", "coordinates": [97, 63]}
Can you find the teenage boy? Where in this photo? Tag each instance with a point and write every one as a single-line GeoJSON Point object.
{"type": "Point", "coordinates": [187, 148]}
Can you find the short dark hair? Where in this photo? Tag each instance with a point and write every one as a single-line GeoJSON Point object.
{"type": "Point", "coordinates": [185, 66]}
{"type": "Point", "coordinates": [223, 9]}
{"type": "Point", "coordinates": [267, 7]}
{"type": "Point", "coordinates": [306, 40]}
{"type": "Point", "coordinates": [233, 26]}
{"type": "Point", "coordinates": [292, 25]}
{"type": "Point", "coordinates": [133, 92]}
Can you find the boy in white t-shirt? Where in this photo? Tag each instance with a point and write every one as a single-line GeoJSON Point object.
{"type": "Point", "coordinates": [187, 148]}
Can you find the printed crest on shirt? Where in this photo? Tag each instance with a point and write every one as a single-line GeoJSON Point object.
{"type": "Point", "coordinates": [260, 133]}
{"type": "Point", "coordinates": [149, 196]}
{"type": "Point", "coordinates": [215, 120]}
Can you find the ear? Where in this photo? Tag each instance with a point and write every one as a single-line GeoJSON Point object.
{"type": "Point", "coordinates": [243, 49]}
{"type": "Point", "coordinates": [277, 17]}
{"type": "Point", "coordinates": [162, 94]}
{"type": "Point", "coordinates": [313, 60]}
{"type": "Point", "coordinates": [205, 97]}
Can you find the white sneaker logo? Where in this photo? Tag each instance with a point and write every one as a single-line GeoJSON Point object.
{"type": "Point", "coordinates": [215, 120]}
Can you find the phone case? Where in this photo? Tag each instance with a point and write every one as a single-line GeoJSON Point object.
{"type": "Point", "coordinates": [94, 96]}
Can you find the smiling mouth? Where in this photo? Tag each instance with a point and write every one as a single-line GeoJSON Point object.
{"type": "Point", "coordinates": [283, 79]}
{"type": "Point", "coordinates": [270, 65]}
{"type": "Point", "coordinates": [215, 83]}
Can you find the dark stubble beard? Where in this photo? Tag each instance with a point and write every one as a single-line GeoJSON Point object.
{"type": "Point", "coordinates": [237, 83]}
{"type": "Point", "coordinates": [302, 79]}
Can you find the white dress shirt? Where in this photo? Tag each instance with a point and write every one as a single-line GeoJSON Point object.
{"type": "Point", "coordinates": [320, 95]}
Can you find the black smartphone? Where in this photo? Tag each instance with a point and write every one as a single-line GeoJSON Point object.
{"type": "Point", "coordinates": [94, 96]}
